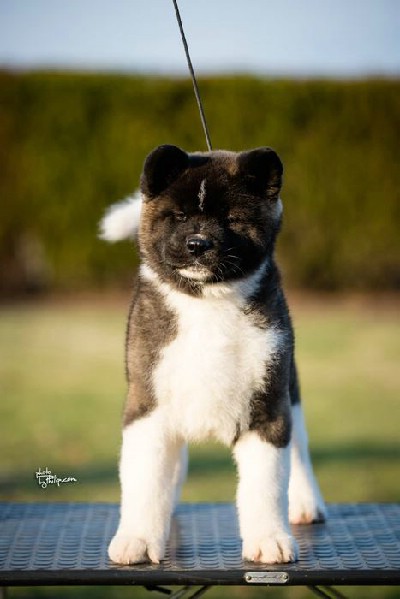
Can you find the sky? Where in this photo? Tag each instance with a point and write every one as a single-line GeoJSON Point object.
{"type": "Point", "coordinates": [333, 38]}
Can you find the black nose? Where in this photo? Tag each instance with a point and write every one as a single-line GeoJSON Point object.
{"type": "Point", "coordinates": [198, 244]}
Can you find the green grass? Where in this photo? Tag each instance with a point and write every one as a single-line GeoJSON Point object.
{"type": "Point", "coordinates": [62, 389]}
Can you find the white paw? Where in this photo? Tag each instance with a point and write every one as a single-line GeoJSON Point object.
{"type": "Point", "coordinates": [126, 549]}
{"type": "Point", "coordinates": [306, 508]}
{"type": "Point", "coordinates": [278, 548]}
{"type": "Point", "coordinates": [305, 501]}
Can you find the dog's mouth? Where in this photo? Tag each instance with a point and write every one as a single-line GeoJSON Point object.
{"type": "Point", "coordinates": [196, 272]}
{"type": "Point", "coordinates": [199, 271]}
{"type": "Point", "coordinates": [208, 268]}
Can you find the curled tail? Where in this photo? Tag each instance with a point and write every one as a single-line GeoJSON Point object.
{"type": "Point", "coordinates": [121, 221]}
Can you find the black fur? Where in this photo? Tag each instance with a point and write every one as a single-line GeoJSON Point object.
{"type": "Point", "coordinates": [270, 407]}
{"type": "Point", "coordinates": [143, 344]}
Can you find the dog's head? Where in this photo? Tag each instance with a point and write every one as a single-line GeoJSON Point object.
{"type": "Point", "coordinates": [204, 217]}
{"type": "Point", "coordinates": [209, 217]}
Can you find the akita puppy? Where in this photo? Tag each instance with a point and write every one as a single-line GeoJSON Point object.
{"type": "Point", "coordinates": [210, 351]}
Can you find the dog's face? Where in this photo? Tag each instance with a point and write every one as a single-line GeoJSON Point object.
{"type": "Point", "coordinates": [209, 217]}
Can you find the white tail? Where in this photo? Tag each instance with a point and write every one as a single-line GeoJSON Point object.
{"type": "Point", "coordinates": [121, 220]}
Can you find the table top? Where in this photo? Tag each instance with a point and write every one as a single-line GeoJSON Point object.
{"type": "Point", "coordinates": [66, 544]}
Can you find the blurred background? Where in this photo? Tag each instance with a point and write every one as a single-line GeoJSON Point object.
{"type": "Point", "coordinates": [87, 89]}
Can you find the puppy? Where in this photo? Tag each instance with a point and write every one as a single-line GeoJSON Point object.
{"type": "Point", "coordinates": [210, 351]}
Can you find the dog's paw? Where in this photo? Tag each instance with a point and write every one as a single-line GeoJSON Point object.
{"type": "Point", "coordinates": [126, 549]}
{"type": "Point", "coordinates": [304, 514]}
{"type": "Point", "coordinates": [277, 548]}
{"type": "Point", "coordinates": [305, 501]}
{"type": "Point", "coordinates": [306, 508]}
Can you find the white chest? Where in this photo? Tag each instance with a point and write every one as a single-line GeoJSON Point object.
{"type": "Point", "coordinates": [206, 376]}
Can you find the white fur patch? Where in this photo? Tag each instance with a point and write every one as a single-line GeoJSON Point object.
{"type": "Point", "coordinates": [206, 376]}
{"type": "Point", "coordinates": [202, 195]}
{"type": "Point", "coordinates": [262, 500]}
{"type": "Point", "coordinates": [196, 273]}
{"type": "Point", "coordinates": [121, 220]}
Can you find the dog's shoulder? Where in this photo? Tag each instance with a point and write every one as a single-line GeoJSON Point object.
{"type": "Point", "coordinates": [267, 303]}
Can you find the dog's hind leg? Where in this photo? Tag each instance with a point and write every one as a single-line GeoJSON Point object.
{"type": "Point", "coordinates": [305, 501]}
{"type": "Point", "coordinates": [180, 472]}
{"type": "Point", "coordinates": [148, 469]}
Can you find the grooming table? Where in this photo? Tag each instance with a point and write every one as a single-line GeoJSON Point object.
{"type": "Point", "coordinates": [66, 544]}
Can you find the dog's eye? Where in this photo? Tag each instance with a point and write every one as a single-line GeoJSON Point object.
{"type": "Point", "coordinates": [180, 216]}
{"type": "Point", "coordinates": [175, 215]}
{"type": "Point", "coordinates": [234, 219]}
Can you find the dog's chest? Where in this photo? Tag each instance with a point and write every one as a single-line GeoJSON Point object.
{"type": "Point", "coordinates": [206, 376]}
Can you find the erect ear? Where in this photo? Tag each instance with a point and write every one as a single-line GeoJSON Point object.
{"type": "Point", "coordinates": [161, 168]}
{"type": "Point", "coordinates": [262, 171]}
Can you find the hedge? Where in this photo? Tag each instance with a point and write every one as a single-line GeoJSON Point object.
{"type": "Point", "coordinates": [71, 144]}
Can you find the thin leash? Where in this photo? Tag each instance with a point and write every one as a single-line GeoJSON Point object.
{"type": "Point", "coordinates": [191, 70]}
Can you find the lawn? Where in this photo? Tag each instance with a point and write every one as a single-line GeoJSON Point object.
{"type": "Point", "coordinates": [62, 388]}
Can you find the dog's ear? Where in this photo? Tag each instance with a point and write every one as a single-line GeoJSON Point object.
{"type": "Point", "coordinates": [262, 171]}
{"type": "Point", "coordinates": [161, 168]}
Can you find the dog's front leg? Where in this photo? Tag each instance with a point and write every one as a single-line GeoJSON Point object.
{"type": "Point", "coordinates": [262, 500]}
{"type": "Point", "coordinates": [148, 466]}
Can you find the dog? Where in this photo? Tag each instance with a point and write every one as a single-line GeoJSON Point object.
{"type": "Point", "coordinates": [210, 351]}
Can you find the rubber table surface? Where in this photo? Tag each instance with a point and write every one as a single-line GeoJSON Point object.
{"type": "Point", "coordinates": [66, 543]}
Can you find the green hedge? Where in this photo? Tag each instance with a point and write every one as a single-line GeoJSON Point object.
{"type": "Point", "coordinates": [72, 144]}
